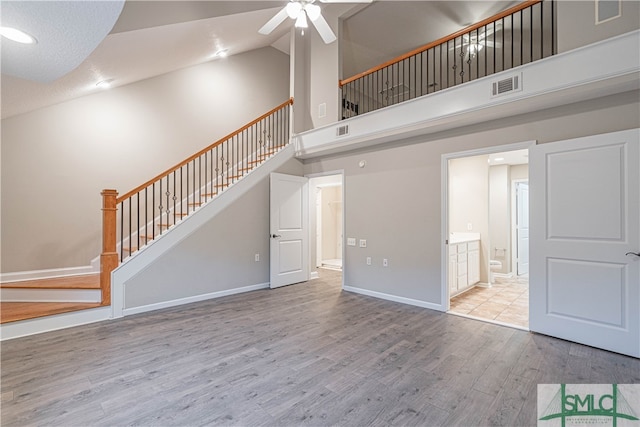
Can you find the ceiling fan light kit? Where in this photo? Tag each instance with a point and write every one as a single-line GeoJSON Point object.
{"type": "Point", "coordinates": [301, 21]}
{"type": "Point", "coordinates": [293, 9]}
{"type": "Point", "coordinates": [299, 10]}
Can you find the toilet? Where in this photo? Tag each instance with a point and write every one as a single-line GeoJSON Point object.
{"type": "Point", "coordinates": [494, 266]}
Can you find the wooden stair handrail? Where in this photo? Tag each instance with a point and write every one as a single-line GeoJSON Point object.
{"type": "Point", "coordinates": [525, 4]}
{"type": "Point", "coordinates": [201, 152]}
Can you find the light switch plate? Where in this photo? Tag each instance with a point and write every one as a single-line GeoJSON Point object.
{"type": "Point", "coordinates": [351, 241]}
{"type": "Point", "coordinates": [363, 243]}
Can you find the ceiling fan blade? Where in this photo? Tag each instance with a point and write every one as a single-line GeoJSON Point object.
{"type": "Point", "coordinates": [274, 22]}
{"type": "Point", "coordinates": [324, 30]}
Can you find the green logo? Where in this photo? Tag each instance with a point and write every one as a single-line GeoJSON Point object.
{"type": "Point", "coordinates": [593, 407]}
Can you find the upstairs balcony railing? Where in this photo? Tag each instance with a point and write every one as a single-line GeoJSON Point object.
{"type": "Point", "coordinates": [136, 218]}
{"type": "Point", "coordinates": [516, 36]}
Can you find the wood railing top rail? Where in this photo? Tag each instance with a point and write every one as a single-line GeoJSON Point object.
{"type": "Point", "coordinates": [201, 152]}
{"type": "Point", "coordinates": [525, 4]}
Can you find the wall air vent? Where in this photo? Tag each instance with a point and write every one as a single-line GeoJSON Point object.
{"type": "Point", "coordinates": [508, 85]}
{"type": "Point", "coordinates": [342, 130]}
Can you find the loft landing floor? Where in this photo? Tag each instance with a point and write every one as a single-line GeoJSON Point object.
{"type": "Point", "coordinates": [306, 354]}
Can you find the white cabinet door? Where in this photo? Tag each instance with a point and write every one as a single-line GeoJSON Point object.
{"type": "Point", "coordinates": [585, 196]}
{"type": "Point", "coordinates": [453, 273]}
{"type": "Point", "coordinates": [473, 267]}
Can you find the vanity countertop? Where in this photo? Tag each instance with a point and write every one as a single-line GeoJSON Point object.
{"type": "Point", "coordinates": [463, 237]}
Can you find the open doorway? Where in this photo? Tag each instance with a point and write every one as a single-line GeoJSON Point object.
{"type": "Point", "coordinates": [487, 228]}
{"type": "Point", "coordinates": [327, 222]}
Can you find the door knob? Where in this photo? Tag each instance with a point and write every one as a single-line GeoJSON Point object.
{"type": "Point", "coordinates": [275, 236]}
{"type": "Point", "coordinates": [633, 253]}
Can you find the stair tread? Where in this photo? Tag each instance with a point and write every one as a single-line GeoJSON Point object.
{"type": "Point", "coordinates": [16, 311]}
{"type": "Point", "coordinates": [90, 281]}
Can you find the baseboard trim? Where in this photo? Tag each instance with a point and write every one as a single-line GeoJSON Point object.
{"type": "Point", "coordinates": [21, 276]}
{"type": "Point", "coordinates": [395, 298]}
{"type": "Point", "coordinates": [189, 300]}
{"type": "Point", "coordinates": [55, 322]}
{"type": "Point", "coordinates": [314, 275]}
{"type": "Point", "coordinates": [505, 275]}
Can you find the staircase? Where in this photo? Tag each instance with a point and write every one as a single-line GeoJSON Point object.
{"type": "Point", "coordinates": [137, 219]}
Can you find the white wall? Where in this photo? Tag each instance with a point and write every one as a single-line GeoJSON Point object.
{"type": "Point", "coordinates": [56, 160]}
{"type": "Point", "coordinates": [395, 201]}
{"type": "Point", "coordinates": [469, 202]}
{"type": "Point", "coordinates": [519, 172]}
{"type": "Point", "coordinates": [500, 216]}
{"type": "Point", "coordinates": [316, 75]}
{"type": "Point", "coordinates": [316, 185]}
{"type": "Point", "coordinates": [218, 257]}
{"type": "Point", "coordinates": [576, 23]}
{"type": "Point", "coordinates": [331, 222]}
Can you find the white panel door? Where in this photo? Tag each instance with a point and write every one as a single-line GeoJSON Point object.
{"type": "Point", "coordinates": [289, 223]}
{"type": "Point", "coordinates": [584, 197]}
{"type": "Point", "coordinates": [522, 227]}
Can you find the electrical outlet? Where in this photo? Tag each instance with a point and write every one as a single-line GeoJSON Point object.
{"type": "Point", "coordinates": [351, 241]}
{"type": "Point", "coordinates": [368, 260]}
{"type": "Point", "coordinates": [257, 257]}
{"type": "Point", "coordinates": [385, 262]}
{"type": "Point", "coordinates": [363, 243]}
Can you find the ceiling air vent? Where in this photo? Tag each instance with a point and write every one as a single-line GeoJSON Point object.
{"type": "Point", "coordinates": [510, 84]}
{"type": "Point", "coordinates": [342, 130]}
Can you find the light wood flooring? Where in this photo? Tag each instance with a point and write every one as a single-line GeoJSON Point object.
{"type": "Point", "coordinates": [506, 301]}
{"type": "Point", "coordinates": [307, 354]}
{"type": "Point", "coordinates": [16, 311]}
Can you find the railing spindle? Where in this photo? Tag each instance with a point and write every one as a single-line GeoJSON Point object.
{"type": "Point", "coordinates": [454, 57]}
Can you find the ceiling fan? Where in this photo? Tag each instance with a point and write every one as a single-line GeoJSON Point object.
{"type": "Point", "coordinates": [300, 10]}
{"type": "Point", "coordinates": [477, 40]}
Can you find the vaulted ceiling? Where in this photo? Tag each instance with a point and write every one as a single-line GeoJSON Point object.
{"type": "Point", "coordinates": [150, 38]}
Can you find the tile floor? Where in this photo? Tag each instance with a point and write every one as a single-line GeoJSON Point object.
{"type": "Point", "coordinates": [506, 301]}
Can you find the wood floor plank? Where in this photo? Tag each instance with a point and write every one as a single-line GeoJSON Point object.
{"type": "Point", "coordinates": [86, 281]}
{"type": "Point", "coordinates": [16, 311]}
{"type": "Point", "coordinates": [307, 354]}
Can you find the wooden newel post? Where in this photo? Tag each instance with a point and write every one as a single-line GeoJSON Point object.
{"type": "Point", "coordinates": [109, 256]}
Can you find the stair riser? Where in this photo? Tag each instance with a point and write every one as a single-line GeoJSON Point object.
{"type": "Point", "coordinates": [50, 295]}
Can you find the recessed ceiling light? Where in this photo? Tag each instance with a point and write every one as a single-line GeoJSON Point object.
{"type": "Point", "coordinates": [104, 84]}
{"type": "Point", "coordinates": [17, 35]}
{"type": "Point", "coordinates": [222, 53]}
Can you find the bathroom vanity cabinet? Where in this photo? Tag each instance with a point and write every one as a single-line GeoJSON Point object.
{"type": "Point", "coordinates": [464, 265]}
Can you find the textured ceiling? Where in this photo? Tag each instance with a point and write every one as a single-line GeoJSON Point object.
{"type": "Point", "coordinates": [67, 32]}
{"type": "Point", "coordinates": [151, 38]}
